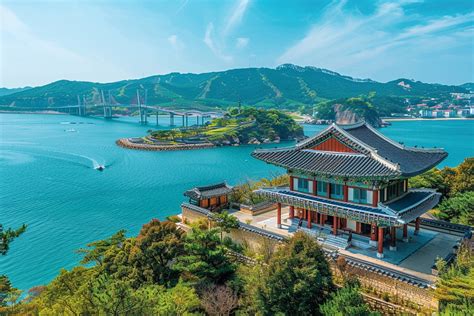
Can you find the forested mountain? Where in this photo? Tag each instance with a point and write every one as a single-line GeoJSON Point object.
{"type": "Point", "coordinates": [7, 91]}
{"type": "Point", "coordinates": [287, 86]}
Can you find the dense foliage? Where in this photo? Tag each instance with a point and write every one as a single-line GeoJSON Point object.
{"type": "Point", "coordinates": [457, 186]}
{"type": "Point", "coordinates": [163, 271]}
{"type": "Point", "coordinates": [455, 288]}
{"type": "Point", "coordinates": [298, 278]}
{"type": "Point", "coordinates": [287, 86]}
{"type": "Point", "coordinates": [347, 301]}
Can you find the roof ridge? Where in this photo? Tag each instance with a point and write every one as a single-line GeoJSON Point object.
{"type": "Point", "coordinates": [333, 152]}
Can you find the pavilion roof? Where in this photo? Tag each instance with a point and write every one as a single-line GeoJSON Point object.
{"type": "Point", "coordinates": [374, 155]}
{"type": "Point", "coordinates": [206, 192]}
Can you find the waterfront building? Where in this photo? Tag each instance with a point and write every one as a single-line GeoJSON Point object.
{"type": "Point", "coordinates": [210, 197]}
{"type": "Point", "coordinates": [352, 178]}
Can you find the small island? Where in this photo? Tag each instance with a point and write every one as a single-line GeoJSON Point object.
{"type": "Point", "coordinates": [237, 127]}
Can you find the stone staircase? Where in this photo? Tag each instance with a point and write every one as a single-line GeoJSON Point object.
{"type": "Point", "coordinates": [326, 239]}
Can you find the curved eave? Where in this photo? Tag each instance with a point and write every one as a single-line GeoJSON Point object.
{"type": "Point", "coordinates": [431, 166]}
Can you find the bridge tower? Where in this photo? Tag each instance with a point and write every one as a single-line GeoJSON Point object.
{"type": "Point", "coordinates": [171, 119]}
{"type": "Point", "coordinates": [107, 107]}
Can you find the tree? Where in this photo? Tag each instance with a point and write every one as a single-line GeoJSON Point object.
{"type": "Point", "coordinates": [219, 300]}
{"type": "Point", "coordinates": [148, 258]}
{"type": "Point", "coordinates": [7, 236]}
{"type": "Point", "coordinates": [298, 278]}
{"type": "Point", "coordinates": [8, 294]}
{"type": "Point", "coordinates": [463, 180]}
{"type": "Point", "coordinates": [458, 209]}
{"type": "Point", "coordinates": [96, 250]}
{"type": "Point", "coordinates": [347, 301]}
{"type": "Point", "coordinates": [225, 222]}
{"type": "Point", "coordinates": [205, 257]}
{"type": "Point", "coordinates": [455, 287]}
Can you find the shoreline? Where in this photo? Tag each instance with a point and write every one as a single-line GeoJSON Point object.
{"type": "Point", "coordinates": [33, 112]}
{"type": "Point", "coordinates": [426, 119]}
{"type": "Point", "coordinates": [126, 143]}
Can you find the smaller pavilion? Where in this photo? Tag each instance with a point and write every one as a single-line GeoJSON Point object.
{"type": "Point", "coordinates": [210, 197]}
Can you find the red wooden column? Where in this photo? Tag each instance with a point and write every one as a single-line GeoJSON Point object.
{"type": "Point", "coordinates": [309, 219]}
{"type": "Point", "coordinates": [380, 245]}
{"type": "Point", "coordinates": [291, 183]}
{"type": "Point", "coordinates": [334, 225]}
{"type": "Point", "coordinates": [393, 238]}
{"type": "Point", "coordinates": [321, 219]}
{"type": "Point", "coordinates": [328, 188]}
{"type": "Point", "coordinates": [417, 225]}
{"type": "Point", "coordinates": [375, 198]}
{"type": "Point", "coordinates": [292, 212]}
{"type": "Point", "coordinates": [315, 187]}
{"type": "Point", "coordinates": [358, 226]}
{"type": "Point", "coordinates": [279, 215]}
{"type": "Point", "coordinates": [346, 193]}
{"type": "Point", "coordinates": [405, 232]}
{"type": "Point", "coordinates": [373, 235]}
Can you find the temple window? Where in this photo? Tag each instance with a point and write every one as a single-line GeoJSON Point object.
{"type": "Point", "coordinates": [322, 188]}
{"type": "Point", "coordinates": [361, 196]}
{"type": "Point", "coordinates": [303, 185]}
{"type": "Point", "coordinates": [337, 191]}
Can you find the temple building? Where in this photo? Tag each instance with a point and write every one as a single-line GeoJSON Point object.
{"type": "Point", "coordinates": [352, 178]}
{"type": "Point", "coordinates": [211, 197]}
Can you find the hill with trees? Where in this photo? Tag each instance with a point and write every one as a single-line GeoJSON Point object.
{"type": "Point", "coordinates": [287, 86]}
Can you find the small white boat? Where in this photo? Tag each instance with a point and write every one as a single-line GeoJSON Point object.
{"type": "Point", "coordinates": [71, 130]}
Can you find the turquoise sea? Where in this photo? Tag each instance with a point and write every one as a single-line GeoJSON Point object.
{"type": "Point", "coordinates": [48, 181]}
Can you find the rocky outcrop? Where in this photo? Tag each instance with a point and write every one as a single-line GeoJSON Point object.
{"type": "Point", "coordinates": [347, 116]}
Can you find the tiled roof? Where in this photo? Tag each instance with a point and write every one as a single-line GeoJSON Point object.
{"type": "Point", "coordinates": [376, 155]}
{"type": "Point", "coordinates": [206, 192]}
{"type": "Point", "coordinates": [328, 163]}
{"type": "Point", "coordinates": [411, 160]}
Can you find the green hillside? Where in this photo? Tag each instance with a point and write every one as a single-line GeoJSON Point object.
{"type": "Point", "coordinates": [288, 86]}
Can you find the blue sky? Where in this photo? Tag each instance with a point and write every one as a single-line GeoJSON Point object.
{"type": "Point", "coordinates": [101, 40]}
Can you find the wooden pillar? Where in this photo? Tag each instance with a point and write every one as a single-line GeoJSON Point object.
{"type": "Point", "coordinates": [358, 226]}
{"type": "Point", "coordinates": [309, 219]}
{"type": "Point", "coordinates": [328, 189]}
{"type": "Point", "coordinates": [346, 193]}
{"type": "Point", "coordinates": [373, 235]}
{"type": "Point", "coordinates": [315, 187]}
{"type": "Point", "coordinates": [291, 183]}
{"type": "Point", "coordinates": [334, 225]}
{"type": "Point", "coordinates": [279, 215]}
{"type": "Point", "coordinates": [380, 245]}
{"type": "Point", "coordinates": [417, 225]}
{"type": "Point", "coordinates": [393, 238]}
{"type": "Point", "coordinates": [405, 232]}
{"type": "Point", "coordinates": [375, 197]}
{"type": "Point", "coordinates": [321, 219]}
{"type": "Point", "coordinates": [292, 212]}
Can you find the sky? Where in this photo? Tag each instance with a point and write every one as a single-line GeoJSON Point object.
{"type": "Point", "coordinates": [105, 41]}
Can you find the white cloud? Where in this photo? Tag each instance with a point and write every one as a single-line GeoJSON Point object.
{"type": "Point", "coordinates": [236, 16]}
{"type": "Point", "coordinates": [346, 40]}
{"type": "Point", "coordinates": [242, 42]}
{"type": "Point", "coordinates": [175, 42]}
{"type": "Point", "coordinates": [213, 46]}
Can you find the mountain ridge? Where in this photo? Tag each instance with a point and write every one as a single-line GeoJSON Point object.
{"type": "Point", "coordinates": [286, 86]}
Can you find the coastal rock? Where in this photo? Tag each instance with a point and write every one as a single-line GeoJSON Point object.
{"type": "Point", "coordinates": [253, 141]}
